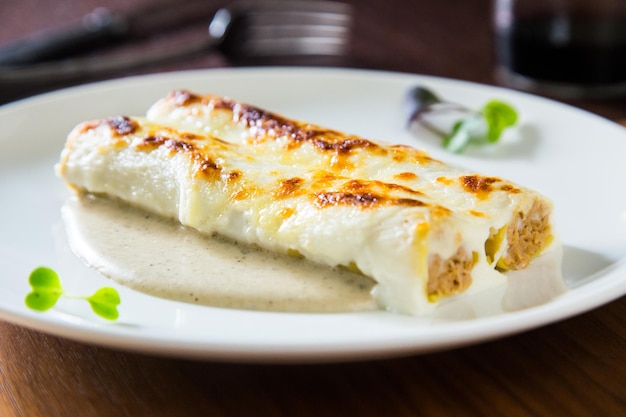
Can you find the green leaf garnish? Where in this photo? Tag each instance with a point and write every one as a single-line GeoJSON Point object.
{"type": "Point", "coordinates": [498, 115]}
{"type": "Point", "coordinates": [104, 303]}
{"type": "Point", "coordinates": [47, 289]}
{"type": "Point", "coordinates": [474, 126]}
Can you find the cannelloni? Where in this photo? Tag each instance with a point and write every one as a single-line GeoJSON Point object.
{"type": "Point", "coordinates": [423, 230]}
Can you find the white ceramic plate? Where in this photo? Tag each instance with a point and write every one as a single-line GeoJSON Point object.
{"type": "Point", "coordinates": [574, 157]}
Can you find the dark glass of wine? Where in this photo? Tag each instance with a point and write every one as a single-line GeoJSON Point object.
{"type": "Point", "coordinates": [569, 48]}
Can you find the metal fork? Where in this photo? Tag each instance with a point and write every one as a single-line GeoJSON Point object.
{"type": "Point", "coordinates": [266, 28]}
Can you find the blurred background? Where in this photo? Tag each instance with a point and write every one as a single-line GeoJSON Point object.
{"type": "Point", "coordinates": [446, 38]}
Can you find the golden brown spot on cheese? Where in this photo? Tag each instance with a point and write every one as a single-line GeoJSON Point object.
{"type": "Point", "coordinates": [204, 164]}
{"type": "Point", "coordinates": [231, 176]}
{"type": "Point", "coordinates": [323, 179]}
{"type": "Point", "coordinates": [406, 176]}
{"type": "Point", "coordinates": [286, 212]}
{"type": "Point", "coordinates": [253, 116]}
{"type": "Point", "coordinates": [399, 187]}
{"type": "Point", "coordinates": [86, 126]}
{"type": "Point", "coordinates": [404, 153]}
{"type": "Point", "coordinates": [482, 186]}
{"type": "Point", "coordinates": [444, 180]}
{"type": "Point", "coordinates": [339, 162]}
{"type": "Point", "coordinates": [208, 169]}
{"type": "Point", "coordinates": [478, 184]}
{"type": "Point", "coordinates": [375, 185]}
{"type": "Point", "coordinates": [193, 136]}
{"type": "Point", "coordinates": [341, 146]}
{"type": "Point", "coordinates": [364, 200]}
{"type": "Point", "coordinates": [288, 187]}
{"type": "Point", "coordinates": [183, 97]}
{"type": "Point", "coordinates": [122, 125]}
{"type": "Point", "coordinates": [239, 194]}
{"type": "Point", "coordinates": [440, 211]}
{"type": "Point", "coordinates": [357, 185]}
{"type": "Point", "coordinates": [245, 191]}
{"type": "Point", "coordinates": [477, 213]}
{"type": "Point", "coordinates": [151, 142]}
{"type": "Point", "coordinates": [398, 155]}
{"type": "Point", "coordinates": [154, 141]}
{"type": "Point", "coordinates": [510, 188]}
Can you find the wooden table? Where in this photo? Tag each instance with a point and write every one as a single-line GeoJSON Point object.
{"type": "Point", "coordinates": [573, 368]}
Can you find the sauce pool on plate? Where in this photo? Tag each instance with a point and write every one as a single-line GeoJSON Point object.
{"type": "Point", "coordinates": [157, 256]}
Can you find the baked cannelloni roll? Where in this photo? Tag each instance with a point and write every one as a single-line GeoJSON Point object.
{"type": "Point", "coordinates": [423, 230]}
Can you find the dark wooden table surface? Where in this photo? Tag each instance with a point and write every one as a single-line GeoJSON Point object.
{"type": "Point", "coordinates": [576, 367]}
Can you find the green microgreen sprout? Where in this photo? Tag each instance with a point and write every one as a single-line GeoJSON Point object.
{"type": "Point", "coordinates": [47, 289]}
{"type": "Point", "coordinates": [483, 126]}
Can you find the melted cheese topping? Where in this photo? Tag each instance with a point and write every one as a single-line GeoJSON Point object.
{"type": "Point", "coordinates": [415, 225]}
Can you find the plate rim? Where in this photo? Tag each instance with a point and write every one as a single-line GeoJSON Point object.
{"type": "Point", "coordinates": [321, 353]}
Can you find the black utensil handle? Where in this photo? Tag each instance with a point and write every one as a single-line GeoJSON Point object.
{"type": "Point", "coordinates": [96, 28]}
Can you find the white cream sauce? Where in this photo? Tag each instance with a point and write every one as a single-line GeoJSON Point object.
{"type": "Point", "coordinates": [157, 256]}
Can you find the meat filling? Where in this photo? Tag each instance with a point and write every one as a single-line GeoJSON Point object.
{"type": "Point", "coordinates": [449, 276]}
{"type": "Point", "coordinates": [526, 236]}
